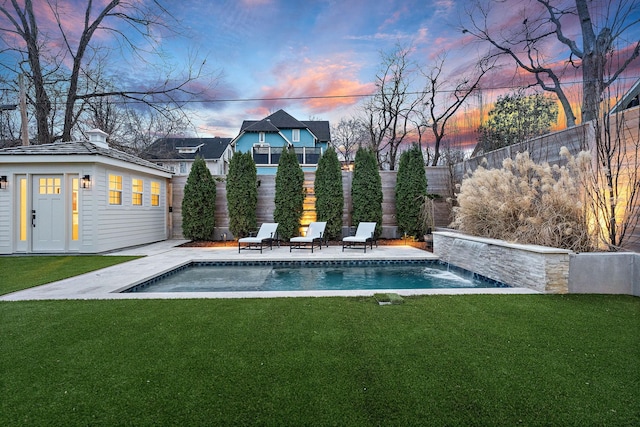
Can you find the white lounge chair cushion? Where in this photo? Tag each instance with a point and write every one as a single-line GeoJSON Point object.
{"type": "Point", "coordinates": [315, 231]}
{"type": "Point", "coordinates": [267, 231]}
{"type": "Point", "coordinates": [364, 232]}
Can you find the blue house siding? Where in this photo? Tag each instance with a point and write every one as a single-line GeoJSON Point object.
{"type": "Point", "coordinates": [266, 138]}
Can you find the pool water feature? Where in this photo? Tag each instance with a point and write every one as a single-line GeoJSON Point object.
{"type": "Point", "coordinates": [315, 276]}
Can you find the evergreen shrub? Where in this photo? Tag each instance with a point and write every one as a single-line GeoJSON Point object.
{"type": "Point", "coordinates": [242, 194]}
{"type": "Point", "coordinates": [199, 203]}
{"type": "Point", "coordinates": [366, 190]}
{"type": "Point", "coordinates": [289, 200]}
{"type": "Point", "coordinates": [329, 196]}
{"type": "Point", "coordinates": [411, 189]}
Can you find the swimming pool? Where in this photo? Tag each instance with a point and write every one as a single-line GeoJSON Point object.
{"type": "Point", "coordinates": [312, 276]}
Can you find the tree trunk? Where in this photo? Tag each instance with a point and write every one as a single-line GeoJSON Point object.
{"type": "Point", "coordinates": [594, 61]}
{"type": "Point", "coordinates": [43, 104]}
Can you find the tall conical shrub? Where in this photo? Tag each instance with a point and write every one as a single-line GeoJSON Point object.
{"type": "Point", "coordinates": [411, 188]}
{"type": "Point", "coordinates": [289, 201]}
{"type": "Point", "coordinates": [366, 190]}
{"type": "Point", "coordinates": [199, 203]}
{"type": "Point", "coordinates": [242, 194]}
{"type": "Point", "coordinates": [329, 196]}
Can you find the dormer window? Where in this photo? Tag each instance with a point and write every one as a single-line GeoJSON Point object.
{"type": "Point", "coordinates": [189, 150]}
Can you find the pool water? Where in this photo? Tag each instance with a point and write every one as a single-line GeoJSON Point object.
{"type": "Point", "coordinates": [197, 278]}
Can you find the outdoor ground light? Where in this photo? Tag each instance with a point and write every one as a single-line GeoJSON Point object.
{"type": "Point", "coordinates": [3, 182]}
{"type": "Point", "coordinates": [86, 181]}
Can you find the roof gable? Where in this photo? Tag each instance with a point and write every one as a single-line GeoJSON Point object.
{"type": "Point", "coordinates": [283, 120]}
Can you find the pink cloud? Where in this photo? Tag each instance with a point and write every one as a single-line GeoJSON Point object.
{"type": "Point", "coordinates": [321, 86]}
{"type": "Point", "coordinates": [394, 18]}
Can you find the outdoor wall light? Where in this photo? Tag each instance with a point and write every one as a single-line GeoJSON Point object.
{"type": "Point", "coordinates": [3, 182]}
{"type": "Point", "coordinates": [86, 181]}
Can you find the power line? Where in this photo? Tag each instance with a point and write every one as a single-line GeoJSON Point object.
{"type": "Point", "coordinates": [320, 97]}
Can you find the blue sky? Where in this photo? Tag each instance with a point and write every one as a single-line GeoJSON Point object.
{"type": "Point", "coordinates": [282, 49]}
{"type": "Point", "coordinates": [270, 51]}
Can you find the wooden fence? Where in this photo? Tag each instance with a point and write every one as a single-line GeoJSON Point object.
{"type": "Point", "coordinates": [437, 181]}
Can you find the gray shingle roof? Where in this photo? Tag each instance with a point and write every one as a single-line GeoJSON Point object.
{"type": "Point", "coordinates": [259, 126]}
{"type": "Point", "coordinates": [284, 120]}
{"type": "Point", "coordinates": [77, 148]}
{"type": "Point", "coordinates": [168, 148]}
{"type": "Point", "coordinates": [320, 129]}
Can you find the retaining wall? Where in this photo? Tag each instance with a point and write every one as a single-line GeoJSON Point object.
{"type": "Point", "coordinates": [544, 269]}
{"type": "Point", "coordinates": [605, 273]}
{"type": "Point", "coordinates": [535, 267]}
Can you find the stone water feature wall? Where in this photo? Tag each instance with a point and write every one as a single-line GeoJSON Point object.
{"type": "Point", "coordinates": [535, 267]}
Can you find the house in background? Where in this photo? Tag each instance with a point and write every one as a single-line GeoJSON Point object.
{"type": "Point", "coordinates": [629, 100]}
{"type": "Point", "coordinates": [265, 139]}
{"type": "Point", "coordinates": [80, 197]}
{"type": "Point", "coordinates": [178, 154]}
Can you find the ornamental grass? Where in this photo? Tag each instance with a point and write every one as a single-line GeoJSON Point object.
{"type": "Point", "coordinates": [528, 203]}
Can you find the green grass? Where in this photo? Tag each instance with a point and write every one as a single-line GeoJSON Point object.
{"type": "Point", "coordinates": [22, 272]}
{"type": "Point", "coordinates": [498, 360]}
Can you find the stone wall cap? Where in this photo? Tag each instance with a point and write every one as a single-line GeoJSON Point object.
{"type": "Point", "coordinates": [497, 242]}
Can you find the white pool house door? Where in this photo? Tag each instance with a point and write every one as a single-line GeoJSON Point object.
{"type": "Point", "coordinates": [48, 214]}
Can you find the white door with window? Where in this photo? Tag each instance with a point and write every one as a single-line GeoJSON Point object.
{"type": "Point", "coordinates": [48, 214]}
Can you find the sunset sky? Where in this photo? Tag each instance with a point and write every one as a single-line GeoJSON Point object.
{"type": "Point", "coordinates": [315, 59]}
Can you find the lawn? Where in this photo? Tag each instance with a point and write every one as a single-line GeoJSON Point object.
{"type": "Point", "coordinates": [22, 272]}
{"type": "Point", "coordinates": [498, 360]}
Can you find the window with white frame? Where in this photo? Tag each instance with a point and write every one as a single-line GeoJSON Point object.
{"type": "Point", "coordinates": [295, 135]}
{"type": "Point", "coordinates": [115, 189]}
{"type": "Point", "coordinates": [137, 191]}
{"type": "Point", "coordinates": [155, 193]}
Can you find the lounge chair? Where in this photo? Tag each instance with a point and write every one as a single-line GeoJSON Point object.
{"type": "Point", "coordinates": [364, 234]}
{"type": "Point", "coordinates": [314, 235]}
{"type": "Point", "coordinates": [266, 235]}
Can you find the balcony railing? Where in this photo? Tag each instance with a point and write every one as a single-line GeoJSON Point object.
{"type": "Point", "coordinates": [271, 156]}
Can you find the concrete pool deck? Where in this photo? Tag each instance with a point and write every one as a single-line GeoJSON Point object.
{"type": "Point", "coordinates": [165, 256]}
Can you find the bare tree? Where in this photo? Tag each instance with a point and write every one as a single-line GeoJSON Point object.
{"type": "Point", "coordinates": [615, 188]}
{"type": "Point", "coordinates": [592, 53]}
{"type": "Point", "coordinates": [39, 59]}
{"type": "Point", "coordinates": [420, 122]}
{"type": "Point", "coordinates": [9, 116]}
{"type": "Point", "coordinates": [347, 136]}
{"type": "Point", "coordinates": [132, 126]}
{"type": "Point", "coordinates": [388, 112]}
{"type": "Point", "coordinates": [141, 127]}
{"type": "Point", "coordinates": [444, 97]}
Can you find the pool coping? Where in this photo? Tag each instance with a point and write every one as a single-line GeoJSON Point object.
{"type": "Point", "coordinates": [162, 257]}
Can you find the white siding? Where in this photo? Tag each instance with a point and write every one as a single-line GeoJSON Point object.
{"type": "Point", "coordinates": [118, 226]}
{"type": "Point", "coordinates": [101, 227]}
